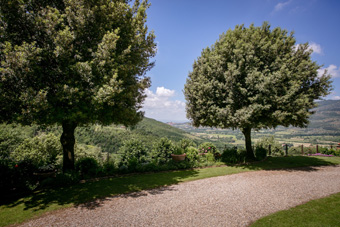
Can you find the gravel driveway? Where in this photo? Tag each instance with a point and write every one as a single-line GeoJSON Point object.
{"type": "Point", "coordinates": [233, 200]}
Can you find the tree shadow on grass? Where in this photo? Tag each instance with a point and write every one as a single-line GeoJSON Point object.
{"type": "Point", "coordinates": [93, 194]}
{"type": "Point", "coordinates": [290, 163]}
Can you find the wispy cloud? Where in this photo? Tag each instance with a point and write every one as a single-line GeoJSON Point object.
{"type": "Point", "coordinates": [331, 69]}
{"type": "Point", "coordinates": [281, 5]}
{"type": "Point", "coordinates": [317, 49]}
{"type": "Point", "coordinates": [160, 106]}
{"type": "Point", "coordinates": [335, 98]}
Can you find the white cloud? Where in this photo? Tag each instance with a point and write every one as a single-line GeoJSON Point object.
{"type": "Point", "coordinates": [281, 5]}
{"type": "Point", "coordinates": [336, 98]}
{"type": "Point", "coordinates": [315, 47]}
{"type": "Point", "coordinates": [312, 46]}
{"type": "Point", "coordinates": [162, 91]}
{"type": "Point", "coordinates": [331, 69]}
{"type": "Point", "coordinates": [160, 105]}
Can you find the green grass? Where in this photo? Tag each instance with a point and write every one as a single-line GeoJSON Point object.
{"type": "Point", "coordinates": [19, 210]}
{"type": "Point", "coordinates": [320, 212]}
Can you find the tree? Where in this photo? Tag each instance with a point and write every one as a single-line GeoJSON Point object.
{"type": "Point", "coordinates": [254, 78]}
{"type": "Point", "coordinates": [73, 63]}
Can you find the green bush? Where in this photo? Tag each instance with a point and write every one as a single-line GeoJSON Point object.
{"type": "Point", "coordinates": [17, 176]}
{"type": "Point", "coordinates": [40, 151]}
{"type": "Point", "coordinates": [109, 168]}
{"type": "Point", "coordinates": [242, 155]}
{"type": "Point", "coordinates": [207, 147]}
{"type": "Point", "coordinates": [178, 151]}
{"type": "Point", "coordinates": [135, 149]}
{"type": "Point", "coordinates": [185, 143]}
{"type": "Point", "coordinates": [61, 180]}
{"type": "Point", "coordinates": [294, 151]}
{"type": "Point", "coordinates": [87, 166]}
{"type": "Point", "coordinates": [191, 154]}
{"type": "Point", "coordinates": [275, 147]}
{"type": "Point", "coordinates": [83, 151]}
{"type": "Point", "coordinates": [260, 153]}
{"type": "Point", "coordinates": [230, 155]}
{"type": "Point", "coordinates": [162, 150]}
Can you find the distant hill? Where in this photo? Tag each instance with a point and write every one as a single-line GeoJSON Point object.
{"type": "Point", "coordinates": [325, 121]}
{"type": "Point", "coordinates": [111, 137]}
{"type": "Point", "coordinates": [326, 116]}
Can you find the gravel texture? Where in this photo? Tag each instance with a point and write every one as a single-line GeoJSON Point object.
{"type": "Point", "coordinates": [232, 200]}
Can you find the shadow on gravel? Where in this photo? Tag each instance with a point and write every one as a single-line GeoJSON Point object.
{"type": "Point", "coordinates": [93, 194]}
{"type": "Point", "coordinates": [290, 163]}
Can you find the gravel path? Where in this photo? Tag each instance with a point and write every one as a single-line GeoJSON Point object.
{"type": "Point", "coordinates": [233, 200]}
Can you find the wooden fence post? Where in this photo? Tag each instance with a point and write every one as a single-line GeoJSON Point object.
{"type": "Point", "coordinates": [270, 149]}
{"type": "Point", "coordinates": [302, 149]}
{"type": "Point", "coordinates": [317, 148]}
{"type": "Point", "coordinates": [286, 149]}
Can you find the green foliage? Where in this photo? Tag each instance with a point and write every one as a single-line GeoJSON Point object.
{"type": "Point", "coordinates": [178, 151]}
{"type": "Point", "coordinates": [260, 153]}
{"type": "Point", "coordinates": [52, 62]}
{"type": "Point", "coordinates": [254, 78]}
{"type": "Point", "coordinates": [74, 63]}
{"type": "Point", "coordinates": [87, 166]}
{"type": "Point", "coordinates": [133, 153]}
{"type": "Point", "coordinates": [230, 155]}
{"type": "Point", "coordinates": [207, 147]}
{"type": "Point", "coordinates": [191, 154]}
{"type": "Point", "coordinates": [294, 151]}
{"type": "Point", "coordinates": [89, 151]}
{"type": "Point", "coordinates": [185, 143]}
{"type": "Point", "coordinates": [162, 150]}
{"type": "Point", "coordinates": [41, 150]}
{"type": "Point", "coordinates": [265, 142]}
{"type": "Point", "coordinates": [17, 176]}
{"type": "Point", "coordinates": [61, 180]}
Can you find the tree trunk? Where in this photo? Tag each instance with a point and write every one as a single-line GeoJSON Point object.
{"type": "Point", "coordinates": [67, 141]}
{"type": "Point", "coordinates": [247, 135]}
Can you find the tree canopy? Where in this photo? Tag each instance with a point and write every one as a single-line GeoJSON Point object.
{"type": "Point", "coordinates": [73, 62]}
{"type": "Point", "coordinates": [254, 78]}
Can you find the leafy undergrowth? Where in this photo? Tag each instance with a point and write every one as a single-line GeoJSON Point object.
{"type": "Point", "coordinates": [320, 212]}
{"type": "Point", "coordinates": [18, 210]}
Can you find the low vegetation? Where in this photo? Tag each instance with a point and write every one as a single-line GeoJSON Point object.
{"type": "Point", "coordinates": [15, 210]}
{"type": "Point", "coordinates": [320, 212]}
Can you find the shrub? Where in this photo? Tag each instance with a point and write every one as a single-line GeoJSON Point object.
{"type": "Point", "coordinates": [207, 147]}
{"type": "Point", "coordinates": [242, 154]}
{"type": "Point", "coordinates": [178, 151]}
{"type": "Point", "coordinates": [84, 151]}
{"type": "Point", "coordinates": [87, 166]}
{"type": "Point", "coordinates": [185, 143]}
{"type": "Point", "coordinates": [109, 168]}
{"type": "Point", "coordinates": [133, 148]}
{"type": "Point", "coordinates": [61, 180]}
{"type": "Point", "coordinates": [275, 147]}
{"type": "Point", "coordinates": [294, 151]}
{"type": "Point", "coordinates": [191, 154]}
{"type": "Point", "coordinates": [230, 155]}
{"type": "Point", "coordinates": [162, 150]}
{"type": "Point", "coordinates": [17, 176]}
{"type": "Point", "coordinates": [40, 151]}
{"type": "Point", "coordinates": [260, 153]}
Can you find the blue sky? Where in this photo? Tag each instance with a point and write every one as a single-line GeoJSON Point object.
{"type": "Point", "coordinates": [184, 27]}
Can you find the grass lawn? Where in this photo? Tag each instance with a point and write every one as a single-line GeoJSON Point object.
{"type": "Point", "coordinates": [19, 210]}
{"type": "Point", "coordinates": [320, 212]}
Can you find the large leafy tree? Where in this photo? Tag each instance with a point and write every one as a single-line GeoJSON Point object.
{"type": "Point", "coordinates": [73, 62]}
{"type": "Point", "coordinates": [254, 78]}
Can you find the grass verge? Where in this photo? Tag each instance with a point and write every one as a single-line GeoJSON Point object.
{"type": "Point", "coordinates": [320, 212]}
{"type": "Point", "coordinates": [19, 210]}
